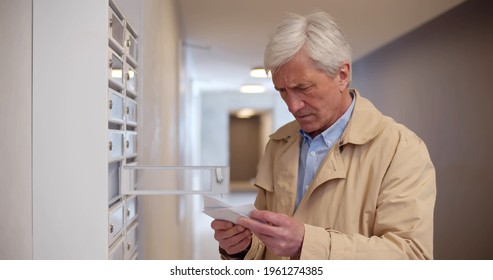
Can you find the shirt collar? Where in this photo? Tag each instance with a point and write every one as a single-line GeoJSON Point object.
{"type": "Point", "coordinates": [364, 124]}
{"type": "Point", "coordinates": [335, 131]}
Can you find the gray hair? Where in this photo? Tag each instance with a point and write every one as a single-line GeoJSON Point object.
{"type": "Point", "coordinates": [316, 34]}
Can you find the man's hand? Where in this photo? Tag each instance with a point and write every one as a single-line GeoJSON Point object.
{"type": "Point", "coordinates": [232, 238]}
{"type": "Point", "coordinates": [281, 234]}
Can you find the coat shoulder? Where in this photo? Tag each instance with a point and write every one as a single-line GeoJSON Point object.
{"type": "Point", "coordinates": [398, 131]}
{"type": "Point", "coordinates": [287, 131]}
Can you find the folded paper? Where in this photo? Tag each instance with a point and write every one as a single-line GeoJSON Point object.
{"type": "Point", "coordinates": [221, 210]}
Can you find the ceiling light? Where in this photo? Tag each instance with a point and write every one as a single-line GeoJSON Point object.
{"type": "Point", "coordinates": [258, 73]}
{"type": "Point", "coordinates": [252, 89]}
{"type": "Point", "coordinates": [245, 113]}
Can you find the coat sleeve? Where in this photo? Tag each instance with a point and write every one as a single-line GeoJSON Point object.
{"type": "Point", "coordinates": [403, 227]}
{"type": "Point", "coordinates": [257, 248]}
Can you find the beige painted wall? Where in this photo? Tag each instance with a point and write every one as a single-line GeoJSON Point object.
{"type": "Point", "coordinates": [437, 81]}
{"type": "Point", "coordinates": [164, 232]}
{"type": "Point", "coordinates": [15, 127]}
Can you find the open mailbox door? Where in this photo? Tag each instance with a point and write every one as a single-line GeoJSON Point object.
{"type": "Point", "coordinates": [174, 180]}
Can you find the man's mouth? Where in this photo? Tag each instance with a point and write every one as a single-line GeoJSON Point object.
{"type": "Point", "coordinates": [301, 117]}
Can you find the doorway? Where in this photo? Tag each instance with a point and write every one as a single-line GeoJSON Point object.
{"type": "Point", "coordinates": [248, 134]}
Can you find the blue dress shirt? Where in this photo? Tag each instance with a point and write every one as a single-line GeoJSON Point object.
{"type": "Point", "coordinates": [313, 151]}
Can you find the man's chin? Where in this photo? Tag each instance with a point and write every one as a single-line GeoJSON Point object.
{"type": "Point", "coordinates": [311, 130]}
{"type": "Point", "coordinates": [308, 129]}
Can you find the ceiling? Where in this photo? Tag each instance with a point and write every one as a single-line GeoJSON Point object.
{"type": "Point", "coordinates": [224, 39]}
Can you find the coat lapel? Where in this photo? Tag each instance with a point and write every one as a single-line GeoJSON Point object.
{"type": "Point", "coordinates": [286, 174]}
{"type": "Point", "coordinates": [332, 168]}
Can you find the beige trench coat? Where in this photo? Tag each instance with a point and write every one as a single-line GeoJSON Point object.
{"type": "Point", "coordinates": [372, 198]}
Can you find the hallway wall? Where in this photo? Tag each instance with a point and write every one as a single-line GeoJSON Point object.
{"type": "Point", "coordinates": [436, 80]}
{"type": "Point", "coordinates": [164, 225]}
{"type": "Point", "coordinates": [15, 126]}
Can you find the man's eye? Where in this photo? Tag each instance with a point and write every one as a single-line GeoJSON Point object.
{"type": "Point", "coordinates": [304, 88]}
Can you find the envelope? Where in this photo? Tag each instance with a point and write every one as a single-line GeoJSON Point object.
{"type": "Point", "coordinates": [221, 210]}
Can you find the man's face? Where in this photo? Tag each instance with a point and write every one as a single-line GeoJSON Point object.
{"type": "Point", "coordinates": [315, 99]}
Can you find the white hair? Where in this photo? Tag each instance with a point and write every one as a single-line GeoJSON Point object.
{"type": "Point", "coordinates": [316, 34]}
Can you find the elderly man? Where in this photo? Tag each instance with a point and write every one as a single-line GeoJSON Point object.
{"type": "Point", "coordinates": [342, 181]}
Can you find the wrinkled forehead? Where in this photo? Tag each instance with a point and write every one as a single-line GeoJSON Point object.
{"type": "Point", "coordinates": [294, 72]}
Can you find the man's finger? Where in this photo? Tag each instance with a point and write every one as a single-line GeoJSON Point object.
{"type": "Point", "coordinates": [257, 226]}
{"type": "Point", "coordinates": [267, 217]}
{"type": "Point", "coordinates": [221, 225]}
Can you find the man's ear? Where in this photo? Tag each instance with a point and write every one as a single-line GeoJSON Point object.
{"type": "Point", "coordinates": [344, 76]}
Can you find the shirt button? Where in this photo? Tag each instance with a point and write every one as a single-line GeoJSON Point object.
{"type": "Point", "coordinates": [312, 154]}
{"type": "Point", "coordinates": [306, 187]}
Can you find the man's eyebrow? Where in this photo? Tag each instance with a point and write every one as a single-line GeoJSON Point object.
{"type": "Point", "coordinates": [297, 85]}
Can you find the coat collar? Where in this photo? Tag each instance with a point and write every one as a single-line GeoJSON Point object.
{"type": "Point", "coordinates": [363, 126]}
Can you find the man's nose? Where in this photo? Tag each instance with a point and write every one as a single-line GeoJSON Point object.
{"type": "Point", "coordinates": [294, 102]}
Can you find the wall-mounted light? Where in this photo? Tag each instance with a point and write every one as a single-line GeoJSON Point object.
{"type": "Point", "coordinates": [252, 89]}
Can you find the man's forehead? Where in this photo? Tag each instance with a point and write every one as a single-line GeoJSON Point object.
{"type": "Point", "coordinates": [284, 84]}
{"type": "Point", "coordinates": [289, 79]}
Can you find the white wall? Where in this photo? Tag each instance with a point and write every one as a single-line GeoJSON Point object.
{"type": "Point", "coordinates": [69, 125]}
{"type": "Point", "coordinates": [15, 127]}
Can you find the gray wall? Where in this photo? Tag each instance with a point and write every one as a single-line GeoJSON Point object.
{"type": "Point", "coordinates": [436, 80]}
